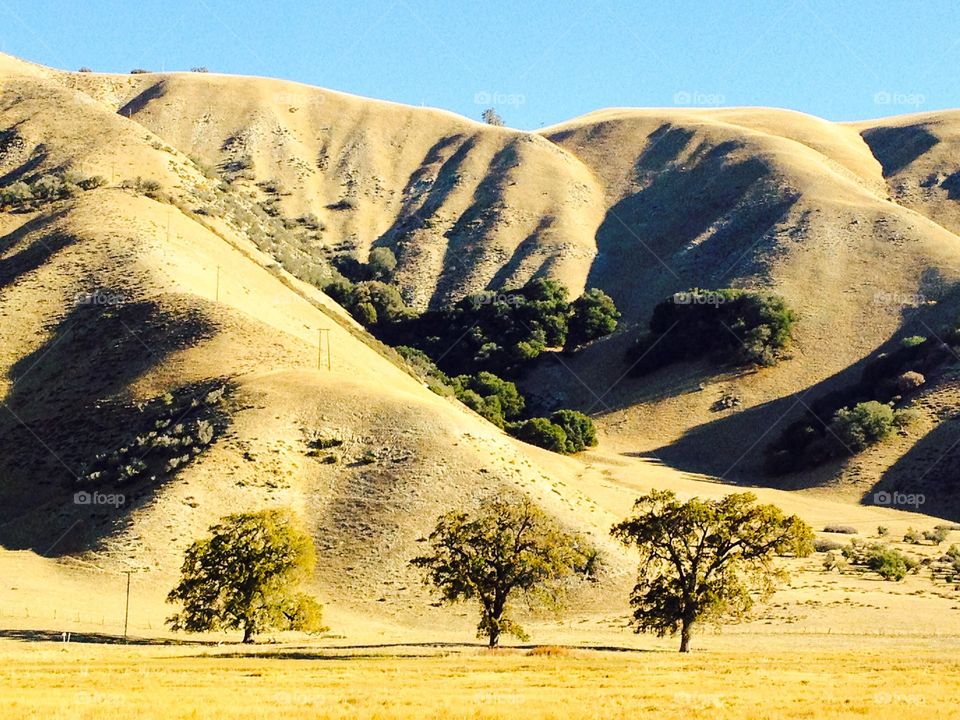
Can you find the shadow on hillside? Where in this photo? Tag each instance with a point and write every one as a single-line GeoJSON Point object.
{"type": "Point", "coordinates": [645, 244]}
{"type": "Point", "coordinates": [897, 147]}
{"type": "Point", "coordinates": [34, 255]}
{"type": "Point", "coordinates": [930, 468]}
{"type": "Point", "coordinates": [138, 103]}
{"type": "Point", "coordinates": [466, 245]}
{"type": "Point", "coordinates": [68, 404]}
{"type": "Point", "coordinates": [732, 446]}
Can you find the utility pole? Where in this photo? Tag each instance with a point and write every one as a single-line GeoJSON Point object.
{"type": "Point", "coordinates": [218, 284]}
{"type": "Point", "coordinates": [126, 613]}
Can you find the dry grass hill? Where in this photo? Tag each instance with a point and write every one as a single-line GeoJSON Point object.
{"type": "Point", "coordinates": [166, 305]}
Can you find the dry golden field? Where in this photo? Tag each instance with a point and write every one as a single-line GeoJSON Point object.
{"type": "Point", "coordinates": [52, 680]}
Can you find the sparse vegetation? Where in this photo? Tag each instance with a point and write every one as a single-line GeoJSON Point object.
{"type": "Point", "coordinates": [847, 421]}
{"type": "Point", "coordinates": [705, 560]}
{"type": "Point", "coordinates": [246, 576]}
{"type": "Point", "coordinates": [48, 188]}
{"type": "Point", "coordinates": [492, 117]}
{"type": "Point", "coordinates": [889, 563]}
{"type": "Point", "coordinates": [505, 548]}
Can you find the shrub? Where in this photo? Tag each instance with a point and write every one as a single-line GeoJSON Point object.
{"type": "Point", "coordinates": [372, 303]}
{"type": "Point", "coordinates": [883, 531]}
{"type": "Point", "coordinates": [840, 529]}
{"type": "Point", "coordinates": [937, 535]}
{"type": "Point", "coordinates": [492, 117]}
{"type": "Point", "coordinates": [84, 69]}
{"type": "Point", "coordinates": [889, 563]}
{"type": "Point", "coordinates": [913, 341]}
{"type": "Point", "coordinates": [593, 315]}
{"type": "Point", "coordinates": [381, 263]}
{"type": "Point", "coordinates": [200, 69]}
{"type": "Point", "coordinates": [862, 425]}
{"type": "Point", "coordinates": [139, 71]}
{"type": "Point", "coordinates": [827, 545]}
{"type": "Point", "coordinates": [543, 433]}
{"type": "Point", "coordinates": [493, 398]}
{"type": "Point", "coordinates": [912, 536]}
{"type": "Point", "coordinates": [909, 381]}
{"type": "Point", "coordinates": [578, 428]}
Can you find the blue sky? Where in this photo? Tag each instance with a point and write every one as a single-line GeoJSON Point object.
{"type": "Point", "coordinates": [537, 62]}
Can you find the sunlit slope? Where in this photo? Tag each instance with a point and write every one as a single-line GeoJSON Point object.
{"type": "Point", "coordinates": [465, 206]}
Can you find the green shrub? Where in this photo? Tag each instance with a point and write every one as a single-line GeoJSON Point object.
{"type": "Point", "coordinates": [578, 428]}
{"type": "Point", "coordinates": [593, 315]}
{"type": "Point", "coordinates": [889, 563]}
{"type": "Point", "coordinates": [937, 535]}
{"type": "Point", "coordinates": [381, 263]}
{"type": "Point", "coordinates": [912, 536]}
{"type": "Point", "coordinates": [862, 425]}
{"type": "Point", "coordinates": [543, 433]}
{"type": "Point", "coordinates": [913, 341]}
{"type": "Point", "coordinates": [493, 398]}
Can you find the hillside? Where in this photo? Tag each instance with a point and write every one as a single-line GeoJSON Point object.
{"type": "Point", "coordinates": [156, 339]}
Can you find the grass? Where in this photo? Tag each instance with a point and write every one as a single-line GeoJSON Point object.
{"type": "Point", "coordinates": [54, 680]}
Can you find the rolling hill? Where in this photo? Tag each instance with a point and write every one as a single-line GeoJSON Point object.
{"type": "Point", "coordinates": [163, 335]}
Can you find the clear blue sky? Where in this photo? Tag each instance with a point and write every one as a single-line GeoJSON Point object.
{"type": "Point", "coordinates": [537, 62]}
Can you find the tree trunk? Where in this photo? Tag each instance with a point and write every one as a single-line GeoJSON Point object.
{"type": "Point", "coordinates": [495, 637]}
{"type": "Point", "coordinates": [685, 629]}
{"type": "Point", "coordinates": [248, 633]}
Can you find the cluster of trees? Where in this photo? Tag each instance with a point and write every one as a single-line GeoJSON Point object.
{"type": "Point", "coordinates": [848, 420]}
{"type": "Point", "coordinates": [700, 560]}
{"type": "Point", "coordinates": [48, 188]}
{"type": "Point", "coordinates": [480, 341]}
{"type": "Point", "coordinates": [500, 402]}
{"type": "Point", "coordinates": [730, 325]}
{"type": "Point", "coordinates": [503, 331]}
{"type": "Point", "coordinates": [372, 303]}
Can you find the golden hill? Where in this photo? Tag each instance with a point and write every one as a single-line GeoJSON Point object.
{"type": "Point", "coordinates": [156, 304]}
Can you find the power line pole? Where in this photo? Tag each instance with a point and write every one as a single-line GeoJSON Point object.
{"type": "Point", "coordinates": [218, 284]}
{"type": "Point", "coordinates": [126, 613]}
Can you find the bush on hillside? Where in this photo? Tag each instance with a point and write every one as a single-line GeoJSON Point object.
{"type": "Point", "coordinates": [543, 433]}
{"type": "Point", "coordinates": [593, 315]}
{"type": "Point", "coordinates": [491, 397]}
{"type": "Point", "coordinates": [578, 428]}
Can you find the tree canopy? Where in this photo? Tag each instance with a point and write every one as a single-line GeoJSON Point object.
{"type": "Point", "coordinates": [246, 576]}
{"type": "Point", "coordinates": [507, 546]}
{"type": "Point", "coordinates": [705, 560]}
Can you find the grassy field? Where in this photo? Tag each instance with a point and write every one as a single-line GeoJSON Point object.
{"type": "Point", "coordinates": [86, 680]}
